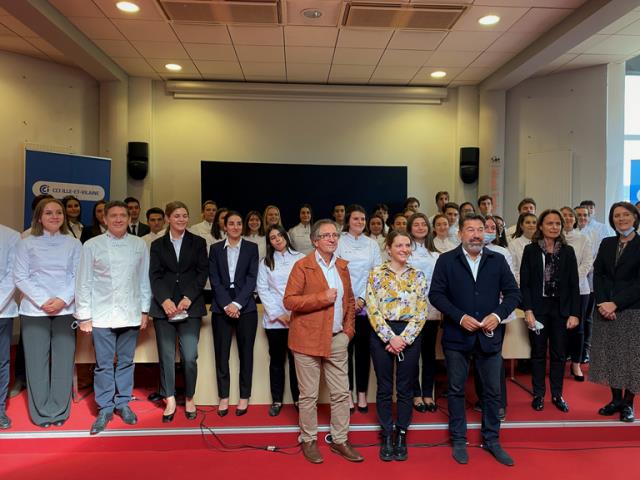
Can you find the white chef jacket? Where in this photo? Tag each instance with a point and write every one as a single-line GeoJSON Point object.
{"type": "Point", "coordinates": [363, 254]}
{"type": "Point", "coordinates": [425, 261]}
{"type": "Point", "coordinates": [300, 238]}
{"type": "Point", "coordinates": [584, 255]}
{"type": "Point", "coordinates": [8, 244]}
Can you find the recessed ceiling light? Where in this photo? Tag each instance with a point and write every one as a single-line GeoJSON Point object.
{"type": "Point", "coordinates": [173, 67]}
{"type": "Point", "coordinates": [128, 7]}
{"type": "Point", "coordinates": [489, 20]}
{"type": "Point", "coordinates": [439, 74]}
{"type": "Point", "coordinates": [312, 13]}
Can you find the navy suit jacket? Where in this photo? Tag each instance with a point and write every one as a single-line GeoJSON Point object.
{"type": "Point", "coordinates": [245, 277]}
{"type": "Point", "coordinates": [455, 293]}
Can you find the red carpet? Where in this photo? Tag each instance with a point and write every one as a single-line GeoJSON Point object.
{"type": "Point", "coordinates": [179, 449]}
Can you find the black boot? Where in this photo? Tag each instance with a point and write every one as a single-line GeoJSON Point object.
{"type": "Point", "coordinates": [400, 451]}
{"type": "Point", "coordinates": [386, 448]}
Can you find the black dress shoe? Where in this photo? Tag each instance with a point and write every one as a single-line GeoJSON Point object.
{"type": "Point", "coordinates": [560, 404]}
{"type": "Point", "coordinates": [45, 425]}
{"type": "Point", "coordinates": [275, 408]}
{"type": "Point", "coordinates": [223, 413]}
{"type": "Point", "coordinates": [502, 414]}
{"type": "Point", "coordinates": [500, 455]}
{"type": "Point", "coordinates": [101, 422]}
{"type": "Point", "coordinates": [459, 453]}
{"type": "Point", "coordinates": [59, 423]}
{"type": "Point", "coordinates": [400, 453]}
{"type": "Point", "coordinates": [364, 409]}
{"type": "Point", "coordinates": [386, 448]}
{"type": "Point", "coordinates": [127, 415]}
{"type": "Point", "coordinates": [191, 415]}
{"type": "Point", "coordinates": [420, 407]}
{"type": "Point", "coordinates": [352, 410]}
{"type": "Point", "coordinates": [155, 397]}
{"type": "Point", "coordinates": [609, 409]}
{"type": "Point", "coordinates": [18, 386]}
{"type": "Point", "coordinates": [241, 411]}
{"type": "Point", "coordinates": [537, 403]}
{"type": "Point", "coordinates": [626, 414]}
{"type": "Point", "coordinates": [5, 422]}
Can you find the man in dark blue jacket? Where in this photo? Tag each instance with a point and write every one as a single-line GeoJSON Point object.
{"type": "Point", "coordinates": [475, 290]}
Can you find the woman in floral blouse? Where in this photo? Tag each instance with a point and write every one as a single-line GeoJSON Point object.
{"type": "Point", "coordinates": [397, 307]}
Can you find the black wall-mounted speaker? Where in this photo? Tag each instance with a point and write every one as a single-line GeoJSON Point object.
{"type": "Point", "coordinates": [469, 164]}
{"type": "Point", "coordinates": [138, 160]}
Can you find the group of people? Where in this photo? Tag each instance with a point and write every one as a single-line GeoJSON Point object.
{"type": "Point", "coordinates": [337, 296]}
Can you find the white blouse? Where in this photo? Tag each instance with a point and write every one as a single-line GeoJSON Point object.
{"type": "Point", "coordinates": [425, 261]}
{"type": "Point", "coordinates": [45, 268]}
{"type": "Point", "coordinates": [272, 284]}
{"type": "Point", "coordinates": [516, 248]}
{"type": "Point", "coordinates": [443, 246]}
{"type": "Point", "coordinates": [363, 254]}
{"type": "Point", "coordinates": [259, 240]}
{"type": "Point", "coordinates": [112, 284]}
{"type": "Point", "coordinates": [584, 255]}
{"type": "Point", "coordinates": [8, 244]}
{"type": "Point", "coordinates": [300, 238]}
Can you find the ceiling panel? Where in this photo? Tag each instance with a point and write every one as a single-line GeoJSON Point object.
{"type": "Point", "coordinates": [117, 48]}
{"type": "Point", "coordinates": [404, 74]}
{"type": "Point", "coordinates": [158, 65]}
{"type": "Point", "coordinates": [532, 3]}
{"type": "Point", "coordinates": [251, 53]}
{"type": "Point", "coordinates": [19, 45]}
{"type": "Point", "coordinates": [621, 23]}
{"type": "Point", "coordinates": [512, 42]}
{"type": "Point", "coordinates": [632, 29]}
{"type": "Point", "coordinates": [508, 16]}
{"type": "Point", "coordinates": [474, 73]}
{"type": "Point", "coordinates": [318, 55]}
{"type": "Point", "coordinates": [135, 66]}
{"type": "Point", "coordinates": [97, 28]}
{"type": "Point", "coordinates": [414, 40]}
{"type": "Point", "coordinates": [169, 50]}
{"type": "Point", "coordinates": [263, 69]}
{"type": "Point", "coordinates": [407, 58]}
{"type": "Point", "coordinates": [146, 30]}
{"type": "Point", "coordinates": [491, 59]}
{"type": "Point", "coordinates": [149, 10]}
{"type": "Point", "coordinates": [202, 51]}
{"type": "Point", "coordinates": [468, 41]}
{"type": "Point", "coordinates": [616, 45]}
{"type": "Point", "coordinates": [305, 72]}
{"type": "Point", "coordinates": [17, 27]}
{"type": "Point", "coordinates": [357, 56]}
{"type": "Point", "coordinates": [310, 36]}
{"type": "Point", "coordinates": [352, 71]}
{"type": "Point", "coordinates": [540, 19]}
{"type": "Point", "coordinates": [241, 35]}
{"type": "Point", "coordinates": [588, 43]}
{"type": "Point", "coordinates": [361, 38]}
{"type": "Point", "coordinates": [207, 67]}
{"type": "Point", "coordinates": [202, 33]}
{"type": "Point", "coordinates": [77, 8]}
{"type": "Point", "coordinates": [451, 59]}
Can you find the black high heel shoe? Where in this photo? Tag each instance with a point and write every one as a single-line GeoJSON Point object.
{"type": "Point", "coordinates": [168, 418]}
{"type": "Point", "coordinates": [191, 415]}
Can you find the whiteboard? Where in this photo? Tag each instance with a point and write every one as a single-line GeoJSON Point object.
{"type": "Point", "coordinates": [549, 178]}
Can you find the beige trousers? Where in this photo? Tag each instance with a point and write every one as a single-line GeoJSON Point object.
{"type": "Point", "coordinates": [308, 369]}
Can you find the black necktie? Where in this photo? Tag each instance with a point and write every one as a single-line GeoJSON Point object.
{"type": "Point", "coordinates": [133, 229]}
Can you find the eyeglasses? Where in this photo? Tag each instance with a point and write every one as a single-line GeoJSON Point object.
{"type": "Point", "coordinates": [328, 236]}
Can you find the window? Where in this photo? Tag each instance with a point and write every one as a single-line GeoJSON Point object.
{"type": "Point", "coordinates": [632, 137]}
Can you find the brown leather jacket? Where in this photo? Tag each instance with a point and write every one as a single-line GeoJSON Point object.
{"type": "Point", "coordinates": [310, 329]}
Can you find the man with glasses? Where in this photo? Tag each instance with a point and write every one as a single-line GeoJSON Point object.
{"type": "Point", "coordinates": [322, 306]}
{"type": "Point", "coordinates": [467, 285]}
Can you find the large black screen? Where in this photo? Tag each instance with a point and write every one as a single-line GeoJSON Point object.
{"type": "Point", "coordinates": [253, 186]}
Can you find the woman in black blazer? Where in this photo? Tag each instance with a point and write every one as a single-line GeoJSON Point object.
{"type": "Point", "coordinates": [615, 344]}
{"type": "Point", "coordinates": [178, 273]}
{"type": "Point", "coordinates": [550, 296]}
{"type": "Point", "coordinates": [233, 271]}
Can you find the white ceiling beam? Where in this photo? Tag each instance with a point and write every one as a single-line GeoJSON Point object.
{"type": "Point", "coordinates": [585, 22]}
{"type": "Point", "coordinates": [57, 30]}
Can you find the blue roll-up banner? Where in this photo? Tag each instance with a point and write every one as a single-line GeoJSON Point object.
{"type": "Point", "coordinates": [62, 174]}
{"type": "Point", "coordinates": [634, 184]}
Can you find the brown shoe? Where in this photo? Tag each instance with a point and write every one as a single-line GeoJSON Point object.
{"type": "Point", "coordinates": [346, 451]}
{"type": "Point", "coordinates": [311, 452]}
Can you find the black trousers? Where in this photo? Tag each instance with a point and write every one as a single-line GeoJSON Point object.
{"type": "Point", "coordinates": [428, 336]}
{"type": "Point", "coordinates": [362, 355]}
{"type": "Point", "coordinates": [406, 371]}
{"type": "Point", "coordinates": [245, 328]}
{"type": "Point", "coordinates": [554, 334]}
{"type": "Point", "coordinates": [488, 367]}
{"type": "Point", "coordinates": [187, 332]}
{"type": "Point", "coordinates": [278, 339]}
{"type": "Point", "coordinates": [576, 335]}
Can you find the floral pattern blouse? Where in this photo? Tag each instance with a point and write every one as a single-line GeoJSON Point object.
{"type": "Point", "coordinates": [393, 297]}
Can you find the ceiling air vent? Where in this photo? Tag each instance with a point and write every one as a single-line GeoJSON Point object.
{"type": "Point", "coordinates": [420, 17]}
{"type": "Point", "coordinates": [203, 11]}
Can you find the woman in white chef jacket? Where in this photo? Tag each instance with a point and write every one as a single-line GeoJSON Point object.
{"type": "Point", "coordinates": [363, 254]}
{"type": "Point", "coordinates": [375, 230]}
{"type": "Point", "coordinates": [423, 258]}
{"type": "Point", "coordinates": [300, 234]}
{"type": "Point", "coordinates": [441, 239]}
{"type": "Point", "coordinates": [584, 255]}
{"type": "Point", "coordinates": [525, 228]}
{"type": "Point", "coordinates": [273, 274]}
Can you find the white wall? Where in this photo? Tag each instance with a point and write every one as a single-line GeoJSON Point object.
{"type": "Point", "coordinates": [42, 103]}
{"type": "Point", "coordinates": [188, 131]}
{"type": "Point", "coordinates": [565, 111]}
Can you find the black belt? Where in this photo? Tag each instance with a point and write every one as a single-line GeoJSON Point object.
{"type": "Point", "coordinates": [337, 333]}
